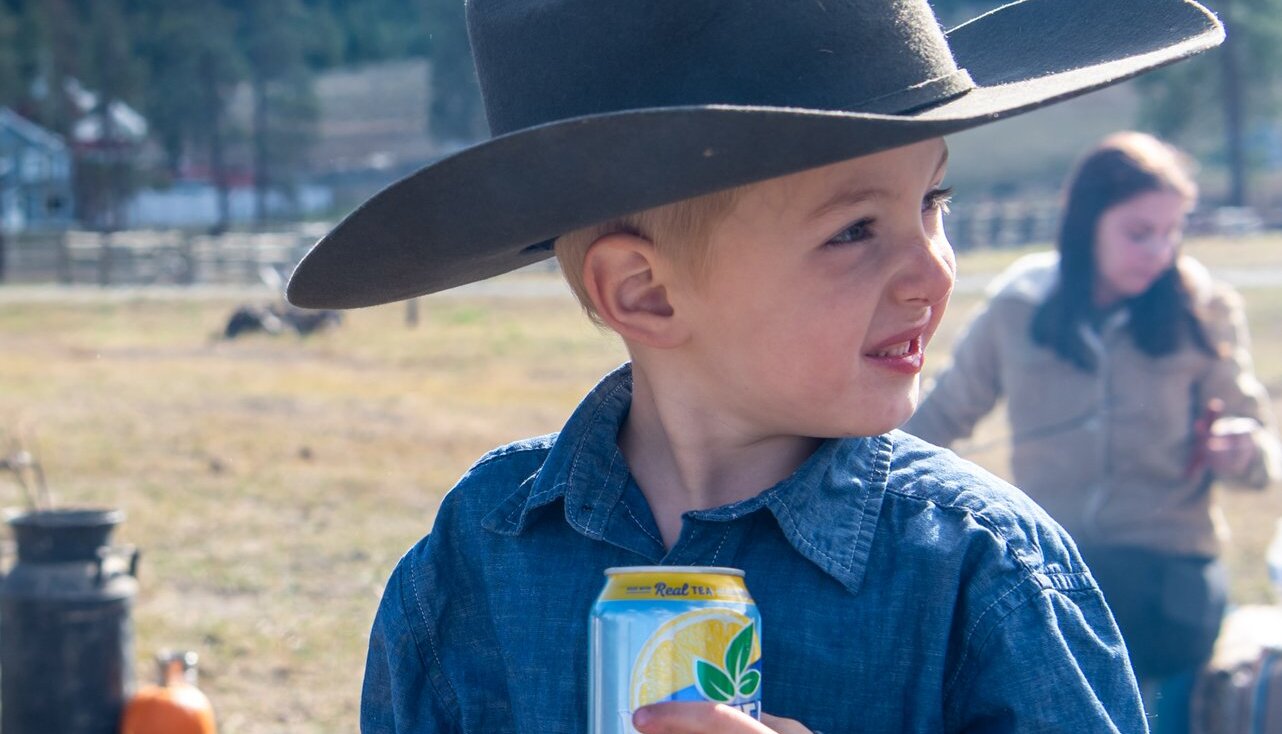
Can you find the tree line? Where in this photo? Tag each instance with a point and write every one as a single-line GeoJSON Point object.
{"type": "Point", "coordinates": [1223, 104]}
{"type": "Point", "coordinates": [179, 63]}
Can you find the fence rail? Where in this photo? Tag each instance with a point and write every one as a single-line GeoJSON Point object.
{"type": "Point", "coordinates": [997, 224]}
{"type": "Point", "coordinates": [172, 257]}
{"type": "Point", "coordinates": [144, 257]}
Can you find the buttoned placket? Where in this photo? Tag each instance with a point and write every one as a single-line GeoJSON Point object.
{"type": "Point", "coordinates": [1098, 493]}
{"type": "Point", "coordinates": [704, 542]}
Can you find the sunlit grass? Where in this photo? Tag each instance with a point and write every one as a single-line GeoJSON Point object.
{"type": "Point", "coordinates": [272, 483]}
{"type": "Point", "coordinates": [1250, 251]}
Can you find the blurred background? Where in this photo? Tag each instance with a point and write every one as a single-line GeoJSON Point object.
{"type": "Point", "coordinates": [215, 115]}
{"type": "Point", "coordinates": [163, 165]}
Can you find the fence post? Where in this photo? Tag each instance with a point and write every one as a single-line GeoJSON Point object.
{"type": "Point", "coordinates": [187, 251]}
{"type": "Point", "coordinates": [65, 275]}
{"type": "Point", "coordinates": [104, 259]}
{"type": "Point", "coordinates": [411, 313]}
{"type": "Point", "coordinates": [218, 247]}
{"type": "Point", "coordinates": [251, 257]}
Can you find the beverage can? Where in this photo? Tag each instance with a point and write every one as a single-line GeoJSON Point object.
{"type": "Point", "coordinates": [672, 633]}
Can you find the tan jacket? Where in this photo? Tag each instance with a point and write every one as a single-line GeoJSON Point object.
{"type": "Point", "coordinates": [1105, 453]}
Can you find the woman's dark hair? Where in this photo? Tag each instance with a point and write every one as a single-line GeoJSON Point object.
{"type": "Point", "coordinates": [1122, 167]}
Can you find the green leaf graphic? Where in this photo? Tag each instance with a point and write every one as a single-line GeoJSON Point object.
{"type": "Point", "coordinates": [712, 682]}
{"type": "Point", "coordinates": [749, 683]}
{"type": "Point", "coordinates": [738, 652]}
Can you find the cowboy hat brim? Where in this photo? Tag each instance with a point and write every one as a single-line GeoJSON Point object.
{"type": "Point", "coordinates": [496, 206]}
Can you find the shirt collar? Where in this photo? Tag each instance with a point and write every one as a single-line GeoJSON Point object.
{"type": "Point", "coordinates": [827, 509]}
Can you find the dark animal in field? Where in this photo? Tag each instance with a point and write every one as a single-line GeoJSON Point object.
{"type": "Point", "coordinates": [276, 319]}
{"type": "Point", "coordinates": [250, 319]}
{"type": "Point", "coordinates": [306, 321]}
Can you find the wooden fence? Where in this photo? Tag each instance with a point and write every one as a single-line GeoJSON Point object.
{"type": "Point", "coordinates": [998, 224]}
{"type": "Point", "coordinates": [140, 257]}
{"type": "Point", "coordinates": [145, 257]}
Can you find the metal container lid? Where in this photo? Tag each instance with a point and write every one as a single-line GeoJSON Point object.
{"type": "Point", "coordinates": [56, 536]}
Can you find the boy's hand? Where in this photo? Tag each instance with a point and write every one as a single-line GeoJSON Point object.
{"type": "Point", "coordinates": [700, 718]}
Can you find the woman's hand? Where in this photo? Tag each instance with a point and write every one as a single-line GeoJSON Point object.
{"type": "Point", "coordinates": [1230, 447]}
{"type": "Point", "coordinates": [698, 718]}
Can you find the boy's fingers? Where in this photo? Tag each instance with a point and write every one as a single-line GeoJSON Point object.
{"type": "Point", "coordinates": [784, 726]}
{"type": "Point", "coordinates": [695, 718]}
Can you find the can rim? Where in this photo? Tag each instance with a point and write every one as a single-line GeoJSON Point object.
{"type": "Point", "coordinates": [722, 570]}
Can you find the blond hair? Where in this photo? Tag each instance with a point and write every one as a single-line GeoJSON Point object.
{"type": "Point", "coordinates": [680, 231]}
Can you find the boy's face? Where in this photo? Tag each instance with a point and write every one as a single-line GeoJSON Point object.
{"type": "Point", "coordinates": [823, 289]}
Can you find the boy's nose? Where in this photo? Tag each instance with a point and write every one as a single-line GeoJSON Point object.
{"type": "Point", "coordinates": [927, 278]}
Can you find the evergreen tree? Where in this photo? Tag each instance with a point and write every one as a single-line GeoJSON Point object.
{"type": "Point", "coordinates": [194, 65]}
{"type": "Point", "coordinates": [11, 82]}
{"type": "Point", "coordinates": [106, 160]}
{"type": "Point", "coordinates": [1206, 97]}
{"type": "Point", "coordinates": [180, 62]}
{"type": "Point", "coordinates": [50, 34]}
{"type": "Point", "coordinates": [456, 113]}
{"type": "Point", "coordinates": [366, 30]}
{"type": "Point", "coordinates": [275, 43]}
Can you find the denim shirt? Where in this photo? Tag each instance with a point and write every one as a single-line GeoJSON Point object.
{"type": "Point", "coordinates": [901, 590]}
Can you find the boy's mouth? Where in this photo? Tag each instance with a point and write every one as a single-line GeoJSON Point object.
{"type": "Point", "coordinates": [898, 350]}
{"type": "Point", "coordinates": [902, 353]}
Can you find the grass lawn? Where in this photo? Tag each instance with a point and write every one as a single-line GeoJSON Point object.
{"type": "Point", "coordinates": [273, 482]}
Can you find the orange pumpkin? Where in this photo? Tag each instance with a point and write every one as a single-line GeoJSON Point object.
{"type": "Point", "coordinates": [176, 706]}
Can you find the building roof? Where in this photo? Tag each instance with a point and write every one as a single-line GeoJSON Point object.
{"type": "Point", "coordinates": [30, 131]}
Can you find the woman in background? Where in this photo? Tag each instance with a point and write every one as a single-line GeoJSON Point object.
{"type": "Point", "coordinates": [1129, 389]}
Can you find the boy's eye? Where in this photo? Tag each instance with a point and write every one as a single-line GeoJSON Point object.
{"type": "Point", "coordinates": [937, 200]}
{"type": "Point", "coordinates": [857, 232]}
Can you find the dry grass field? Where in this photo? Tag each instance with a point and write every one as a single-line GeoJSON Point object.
{"type": "Point", "coordinates": [272, 482]}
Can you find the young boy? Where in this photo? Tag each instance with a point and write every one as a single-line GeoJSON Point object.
{"type": "Point", "coordinates": [749, 194]}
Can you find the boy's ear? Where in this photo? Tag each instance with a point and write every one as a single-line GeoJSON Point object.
{"type": "Point", "coordinates": [625, 278]}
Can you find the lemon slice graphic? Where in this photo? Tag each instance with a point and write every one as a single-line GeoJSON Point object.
{"type": "Point", "coordinates": [666, 662]}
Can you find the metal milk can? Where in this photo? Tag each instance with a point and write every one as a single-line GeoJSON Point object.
{"type": "Point", "coordinates": [66, 635]}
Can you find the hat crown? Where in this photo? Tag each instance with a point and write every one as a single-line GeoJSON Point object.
{"type": "Point", "coordinates": [545, 60]}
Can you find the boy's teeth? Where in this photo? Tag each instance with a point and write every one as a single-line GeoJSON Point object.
{"type": "Point", "coordinates": [898, 350]}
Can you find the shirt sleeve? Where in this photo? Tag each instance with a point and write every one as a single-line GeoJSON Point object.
{"type": "Point", "coordinates": [964, 391]}
{"type": "Point", "coordinates": [402, 693]}
{"type": "Point", "coordinates": [1053, 662]}
{"type": "Point", "coordinates": [1232, 379]}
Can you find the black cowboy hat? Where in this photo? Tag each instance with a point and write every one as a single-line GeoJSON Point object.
{"type": "Point", "coordinates": [600, 108]}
